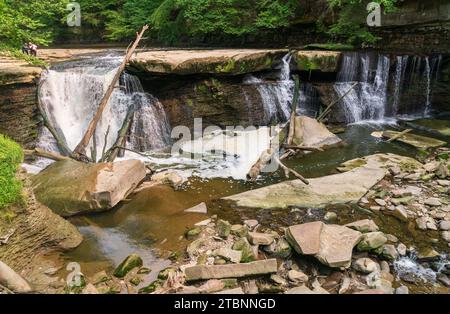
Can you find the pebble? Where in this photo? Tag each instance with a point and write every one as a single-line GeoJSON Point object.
{"type": "Point", "coordinates": [433, 201]}
{"type": "Point", "coordinates": [402, 290]}
{"type": "Point", "coordinates": [297, 276]}
{"type": "Point", "coordinates": [401, 249]}
{"type": "Point", "coordinates": [444, 225]}
{"type": "Point", "coordinates": [251, 223]}
{"type": "Point", "coordinates": [380, 202]}
{"type": "Point", "coordinates": [330, 216]}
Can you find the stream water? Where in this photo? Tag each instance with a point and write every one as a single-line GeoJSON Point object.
{"type": "Point", "coordinates": [154, 220]}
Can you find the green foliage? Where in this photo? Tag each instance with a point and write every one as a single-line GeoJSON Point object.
{"type": "Point", "coordinates": [11, 156]}
{"type": "Point", "coordinates": [30, 20]}
{"type": "Point", "coordinates": [236, 17]}
{"type": "Point", "coordinates": [351, 25]}
{"type": "Point", "coordinates": [172, 19]}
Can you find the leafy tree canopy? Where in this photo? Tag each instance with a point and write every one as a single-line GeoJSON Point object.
{"type": "Point", "coordinates": [25, 20]}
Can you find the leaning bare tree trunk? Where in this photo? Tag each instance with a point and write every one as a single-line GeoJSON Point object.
{"type": "Point", "coordinates": [46, 154]}
{"type": "Point", "coordinates": [121, 136]}
{"type": "Point", "coordinates": [293, 111]}
{"type": "Point", "coordinates": [328, 109]}
{"type": "Point", "coordinates": [80, 151]}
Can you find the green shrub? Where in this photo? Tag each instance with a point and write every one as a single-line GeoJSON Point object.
{"type": "Point", "coordinates": [11, 156]}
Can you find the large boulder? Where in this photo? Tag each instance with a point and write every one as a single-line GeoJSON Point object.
{"type": "Point", "coordinates": [310, 132]}
{"type": "Point", "coordinates": [69, 187]}
{"type": "Point", "coordinates": [12, 280]}
{"type": "Point", "coordinates": [332, 245]}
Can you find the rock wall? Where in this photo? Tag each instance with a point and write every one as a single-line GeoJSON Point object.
{"type": "Point", "coordinates": [219, 101]}
{"type": "Point", "coordinates": [19, 117]}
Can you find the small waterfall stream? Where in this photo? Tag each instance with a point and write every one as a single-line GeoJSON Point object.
{"type": "Point", "coordinates": [367, 101]}
{"type": "Point", "coordinates": [275, 96]}
{"type": "Point", "coordinates": [386, 85]}
{"type": "Point", "coordinates": [71, 92]}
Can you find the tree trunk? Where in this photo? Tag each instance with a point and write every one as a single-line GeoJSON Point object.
{"type": "Point", "coordinates": [293, 110]}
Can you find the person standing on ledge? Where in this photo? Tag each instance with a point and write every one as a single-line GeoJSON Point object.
{"type": "Point", "coordinates": [33, 49]}
{"type": "Point", "coordinates": [26, 49]}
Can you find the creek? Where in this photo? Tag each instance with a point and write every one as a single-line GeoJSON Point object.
{"type": "Point", "coordinates": [154, 220]}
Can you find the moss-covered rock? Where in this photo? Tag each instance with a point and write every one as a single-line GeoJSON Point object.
{"type": "Point", "coordinates": [324, 61]}
{"type": "Point", "coordinates": [127, 265]}
{"type": "Point", "coordinates": [248, 254]}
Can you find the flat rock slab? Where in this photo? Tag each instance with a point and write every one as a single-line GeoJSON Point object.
{"type": "Point", "coordinates": [218, 61]}
{"type": "Point", "coordinates": [418, 141]}
{"type": "Point", "coordinates": [69, 187]}
{"type": "Point", "coordinates": [441, 127]}
{"type": "Point", "coordinates": [200, 272]}
{"type": "Point", "coordinates": [14, 71]}
{"type": "Point", "coordinates": [332, 245]}
{"type": "Point", "coordinates": [341, 188]}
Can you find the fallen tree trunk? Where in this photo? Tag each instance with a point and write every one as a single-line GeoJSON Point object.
{"type": "Point", "coordinates": [293, 110]}
{"type": "Point", "coordinates": [398, 135]}
{"type": "Point", "coordinates": [288, 170]}
{"type": "Point", "coordinates": [305, 148]}
{"type": "Point", "coordinates": [46, 154]}
{"type": "Point", "coordinates": [262, 162]}
{"type": "Point", "coordinates": [80, 150]}
{"type": "Point", "coordinates": [327, 110]}
{"type": "Point", "coordinates": [121, 136]}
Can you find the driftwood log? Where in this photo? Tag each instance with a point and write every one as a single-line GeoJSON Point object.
{"type": "Point", "coordinates": [46, 154]}
{"type": "Point", "coordinates": [398, 135]}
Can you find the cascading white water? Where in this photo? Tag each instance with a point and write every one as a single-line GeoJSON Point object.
{"type": "Point", "coordinates": [377, 96]}
{"type": "Point", "coordinates": [367, 101]}
{"type": "Point", "coordinates": [402, 63]}
{"type": "Point", "coordinates": [71, 92]}
{"type": "Point", "coordinates": [276, 96]}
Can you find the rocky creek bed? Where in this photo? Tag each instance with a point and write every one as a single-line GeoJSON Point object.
{"type": "Point", "coordinates": [393, 240]}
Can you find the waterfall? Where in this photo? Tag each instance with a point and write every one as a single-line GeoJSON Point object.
{"type": "Point", "coordinates": [71, 92]}
{"type": "Point", "coordinates": [381, 94]}
{"type": "Point", "coordinates": [402, 62]}
{"type": "Point", "coordinates": [367, 101]}
{"type": "Point", "coordinates": [276, 96]}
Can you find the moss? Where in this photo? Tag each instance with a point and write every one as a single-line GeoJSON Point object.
{"type": "Point", "coordinates": [202, 88]}
{"type": "Point", "coordinates": [11, 156]}
{"type": "Point", "coordinates": [190, 102]}
{"type": "Point", "coordinates": [306, 64]}
{"type": "Point", "coordinates": [151, 287]}
{"type": "Point", "coordinates": [330, 46]}
{"type": "Point", "coordinates": [127, 265]}
{"type": "Point", "coordinates": [226, 68]}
